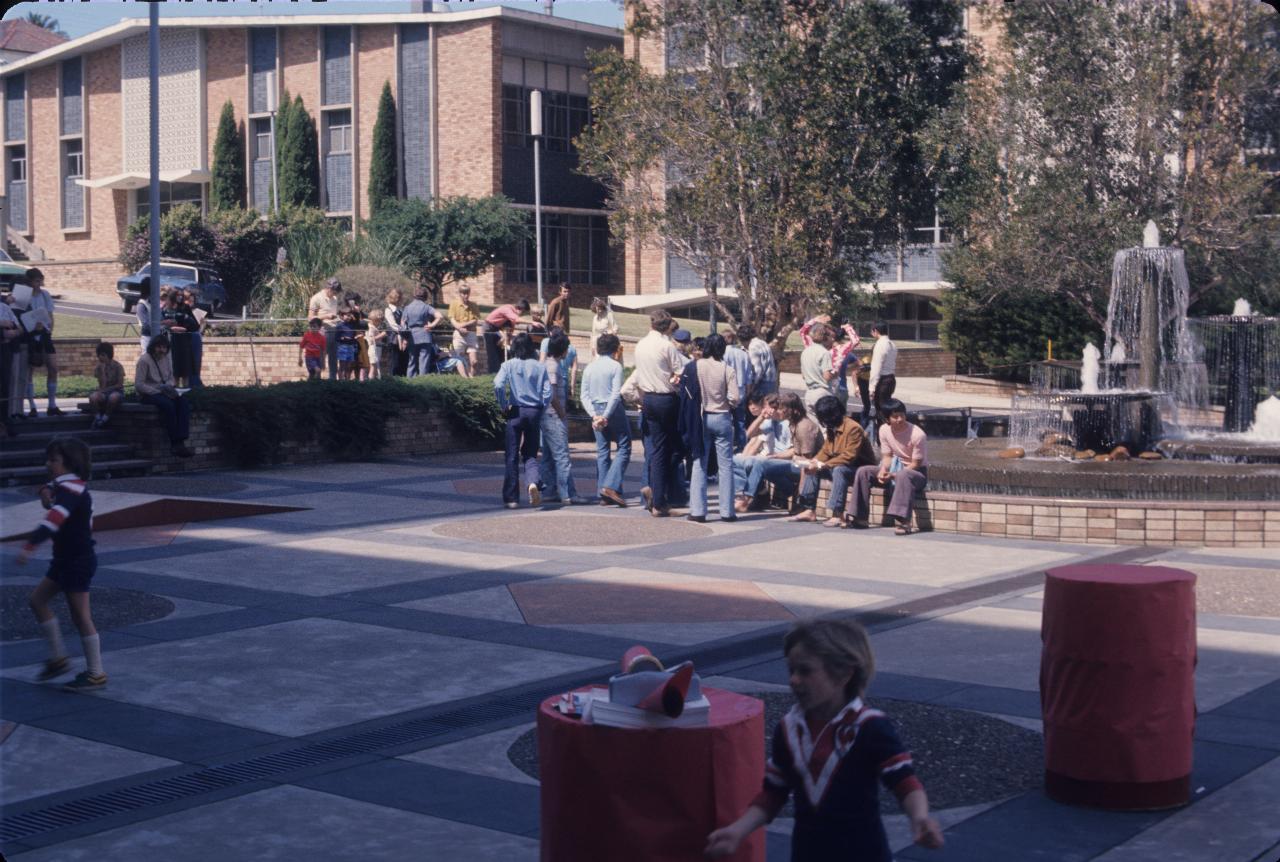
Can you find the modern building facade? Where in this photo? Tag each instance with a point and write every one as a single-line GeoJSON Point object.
{"type": "Point", "coordinates": [75, 127]}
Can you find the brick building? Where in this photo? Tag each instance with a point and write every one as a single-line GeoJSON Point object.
{"type": "Point", "coordinates": [75, 127]}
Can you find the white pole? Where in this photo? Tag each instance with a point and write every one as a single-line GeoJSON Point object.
{"type": "Point", "coordinates": [153, 72]}
{"type": "Point", "coordinates": [535, 129]}
{"type": "Point", "coordinates": [271, 107]}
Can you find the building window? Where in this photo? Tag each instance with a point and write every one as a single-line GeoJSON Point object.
{"type": "Point", "coordinates": [338, 131]}
{"type": "Point", "coordinates": [262, 140]}
{"type": "Point", "coordinates": [575, 248]}
{"type": "Point", "coordinates": [171, 195]}
{"type": "Point", "coordinates": [566, 110]}
{"type": "Point", "coordinates": [73, 158]}
{"type": "Point", "coordinates": [17, 164]}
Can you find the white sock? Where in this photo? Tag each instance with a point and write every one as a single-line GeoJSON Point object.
{"type": "Point", "coordinates": [51, 387]}
{"type": "Point", "coordinates": [92, 653]}
{"type": "Point", "coordinates": [53, 634]}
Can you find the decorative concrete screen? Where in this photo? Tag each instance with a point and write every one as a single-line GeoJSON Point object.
{"type": "Point", "coordinates": [415, 108]}
{"type": "Point", "coordinates": [181, 99]}
{"type": "Point", "coordinates": [262, 53]}
{"type": "Point", "coordinates": [15, 108]}
{"type": "Point", "coordinates": [337, 65]}
{"type": "Point", "coordinates": [72, 96]}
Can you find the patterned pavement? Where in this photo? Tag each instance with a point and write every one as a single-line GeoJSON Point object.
{"type": "Point", "coordinates": [345, 680]}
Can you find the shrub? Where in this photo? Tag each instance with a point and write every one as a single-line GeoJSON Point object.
{"type": "Point", "coordinates": [227, 189]}
{"type": "Point", "coordinates": [347, 419]}
{"type": "Point", "coordinates": [373, 282]}
{"type": "Point", "coordinates": [384, 177]}
{"type": "Point", "coordinates": [298, 169]}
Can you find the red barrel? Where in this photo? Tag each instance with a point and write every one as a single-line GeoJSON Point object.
{"type": "Point", "coordinates": [1117, 685]}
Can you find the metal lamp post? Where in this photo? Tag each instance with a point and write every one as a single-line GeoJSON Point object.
{"type": "Point", "coordinates": [153, 71]}
{"type": "Point", "coordinates": [535, 130]}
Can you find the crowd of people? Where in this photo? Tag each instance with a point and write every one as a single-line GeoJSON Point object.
{"type": "Point", "coordinates": [710, 409]}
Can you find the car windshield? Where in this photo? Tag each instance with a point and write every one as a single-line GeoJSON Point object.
{"type": "Point", "coordinates": [183, 272]}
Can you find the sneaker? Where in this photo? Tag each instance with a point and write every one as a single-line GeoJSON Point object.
{"type": "Point", "coordinates": [859, 524]}
{"type": "Point", "coordinates": [54, 667]}
{"type": "Point", "coordinates": [512, 505]}
{"type": "Point", "coordinates": [646, 494]}
{"type": "Point", "coordinates": [697, 519]}
{"type": "Point", "coordinates": [33, 413]}
{"type": "Point", "coordinates": [535, 496]}
{"type": "Point", "coordinates": [53, 411]}
{"type": "Point", "coordinates": [87, 681]}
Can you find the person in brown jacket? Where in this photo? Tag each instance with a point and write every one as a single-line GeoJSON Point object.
{"type": "Point", "coordinates": [845, 448]}
{"type": "Point", "coordinates": [558, 310]}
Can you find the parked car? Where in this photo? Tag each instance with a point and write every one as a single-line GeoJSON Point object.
{"type": "Point", "coordinates": [11, 272]}
{"type": "Point", "coordinates": [181, 274]}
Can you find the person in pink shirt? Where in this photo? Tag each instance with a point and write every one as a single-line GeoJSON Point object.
{"type": "Point", "coordinates": [903, 461]}
{"type": "Point", "coordinates": [503, 318]}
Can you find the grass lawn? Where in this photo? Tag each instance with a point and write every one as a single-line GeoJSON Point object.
{"type": "Point", "coordinates": [69, 326]}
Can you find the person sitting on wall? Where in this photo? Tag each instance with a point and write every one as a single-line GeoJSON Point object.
{"type": "Point", "coordinates": [845, 448]}
{"type": "Point", "coordinates": [155, 384]}
{"type": "Point", "coordinates": [903, 461]}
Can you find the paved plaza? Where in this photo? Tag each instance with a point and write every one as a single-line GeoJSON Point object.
{"type": "Point", "coordinates": [357, 679]}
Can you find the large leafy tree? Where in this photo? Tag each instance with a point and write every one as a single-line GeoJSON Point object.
{"type": "Point", "coordinates": [1097, 116]}
{"type": "Point", "coordinates": [298, 169]}
{"type": "Point", "coordinates": [781, 151]}
{"type": "Point", "coordinates": [450, 239]}
{"type": "Point", "coordinates": [384, 174]}
{"type": "Point", "coordinates": [227, 189]}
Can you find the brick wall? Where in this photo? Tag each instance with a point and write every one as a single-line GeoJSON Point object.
{"type": "Point", "coordinates": [226, 68]}
{"type": "Point", "coordinates": [414, 431]}
{"type": "Point", "coordinates": [226, 361]}
{"type": "Point", "coordinates": [108, 211]}
{"type": "Point", "coordinates": [375, 66]}
{"type": "Point", "coordinates": [912, 361]}
{"type": "Point", "coordinates": [97, 276]}
{"type": "Point", "coordinates": [300, 66]}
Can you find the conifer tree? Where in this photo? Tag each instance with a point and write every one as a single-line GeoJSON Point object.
{"type": "Point", "coordinates": [384, 174]}
{"type": "Point", "coordinates": [227, 188]}
{"type": "Point", "coordinates": [298, 168]}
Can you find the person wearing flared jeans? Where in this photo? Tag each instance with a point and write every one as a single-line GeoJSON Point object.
{"type": "Point", "coordinates": [522, 450]}
{"type": "Point", "coordinates": [611, 468]}
{"type": "Point", "coordinates": [717, 434]}
{"type": "Point", "coordinates": [906, 484]}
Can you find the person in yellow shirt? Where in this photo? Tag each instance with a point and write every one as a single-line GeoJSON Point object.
{"type": "Point", "coordinates": [465, 317]}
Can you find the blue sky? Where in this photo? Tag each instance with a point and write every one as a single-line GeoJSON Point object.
{"type": "Point", "coordinates": [81, 18]}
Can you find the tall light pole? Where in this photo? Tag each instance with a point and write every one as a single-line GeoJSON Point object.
{"type": "Point", "coordinates": [535, 129]}
{"type": "Point", "coordinates": [153, 71]}
{"type": "Point", "coordinates": [271, 108]}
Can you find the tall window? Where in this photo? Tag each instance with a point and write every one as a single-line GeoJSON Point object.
{"type": "Point", "coordinates": [171, 195]}
{"type": "Point", "coordinates": [73, 158]}
{"type": "Point", "coordinates": [575, 248]}
{"type": "Point", "coordinates": [18, 164]}
{"type": "Point", "coordinates": [338, 137]}
{"type": "Point", "coordinates": [566, 110]}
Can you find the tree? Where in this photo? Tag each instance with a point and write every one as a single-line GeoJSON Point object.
{"type": "Point", "coordinates": [1101, 116]}
{"type": "Point", "coordinates": [47, 22]}
{"type": "Point", "coordinates": [227, 189]}
{"type": "Point", "coordinates": [384, 167]}
{"type": "Point", "coordinates": [449, 239]}
{"type": "Point", "coordinates": [783, 149]}
{"type": "Point", "coordinates": [298, 168]}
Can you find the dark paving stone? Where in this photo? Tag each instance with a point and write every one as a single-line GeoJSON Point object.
{"type": "Point", "coordinates": [1261, 703]}
{"type": "Point", "coordinates": [480, 801]}
{"type": "Point", "coordinates": [1251, 732]}
{"type": "Point", "coordinates": [25, 702]}
{"type": "Point", "coordinates": [1216, 764]}
{"type": "Point", "coordinates": [184, 628]}
{"type": "Point", "coordinates": [988, 698]}
{"type": "Point", "coordinates": [312, 606]}
{"type": "Point", "coordinates": [573, 643]}
{"type": "Point", "coordinates": [419, 621]}
{"type": "Point", "coordinates": [113, 608]}
{"type": "Point", "coordinates": [777, 848]}
{"type": "Point", "coordinates": [173, 486]}
{"type": "Point", "coordinates": [906, 687]}
{"type": "Point", "coordinates": [394, 594]}
{"type": "Point", "coordinates": [154, 731]}
{"type": "Point", "coordinates": [187, 588]}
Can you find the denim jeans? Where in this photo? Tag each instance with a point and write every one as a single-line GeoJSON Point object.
{"type": "Point", "coordinates": [739, 427]}
{"type": "Point", "coordinates": [841, 478]}
{"type": "Point", "coordinates": [522, 451]}
{"type": "Point", "coordinates": [717, 433]}
{"type": "Point", "coordinates": [610, 469]}
{"type": "Point", "coordinates": [750, 471]}
{"type": "Point", "coordinates": [422, 358]}
{"type": "Point", "coordinates": [175, 414]}
{"type": "Point", "coordinates": [661, 415]}
{"type": "Point", "coordinates": [197, 356]}
{"type": "Point", "coordinates": [554, 464]}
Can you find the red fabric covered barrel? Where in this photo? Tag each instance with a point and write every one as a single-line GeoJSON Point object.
{"type": "Point", "coordinates": [1117, 685]}
{"type": "Point", "coordinates": [648, 795]}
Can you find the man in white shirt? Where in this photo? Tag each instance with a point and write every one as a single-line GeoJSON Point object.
{"type": "Point", "coordinates": [658, 365]}
{"type": "Point", "coordinates": [326, 305]}
{"type": "Point", "coordinates": [884, 360]}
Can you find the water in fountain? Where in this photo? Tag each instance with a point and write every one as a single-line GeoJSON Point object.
{"type": "Point", "coordinates": [1266, 421]}
{"type": "Point", "coordinates": [1241, 355]}
{"type": "Point", "coordinates": [1242, 308]}
{"type": "Point", "coordinates": [1089, 373]}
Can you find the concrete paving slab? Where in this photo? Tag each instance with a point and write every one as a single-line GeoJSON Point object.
{"type": "Point", "coordinates": [684, 634]}
{"type": "Point", "coordinates": [275, 681]}
{"type": "Point", "coordinates": [482, 755]}
{"type": "Point", "coordinates": [845, 553]}
{"type": "Point", "coordinates": [580, 529]}
{"type": "Point", "coordinates": [493, 603]}
{"type": "Point", "coordinates": [339, 509]}
{"type": "Point", "coordinates": [348, 473]}
{"type": "Point", "coordinates": [325, 565]}
{"type": "Point", "coordinates": [1008, 642]}
{"type": "Point", "coordinates": [288, 823]}
{"type": "Point", "coordinates": [815, 601]}
{"type": "Point", "coordinates": [34, 762]}
{"type": "Point", "coordinates": [1231, 664]}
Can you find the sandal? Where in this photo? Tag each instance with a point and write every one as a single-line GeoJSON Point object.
{"type": "Point", "coordinates": [903, 530]}
{"type": "Point", "coordinates": [834, 522]}
{"type": "Point", "coordinates": [805, 516]}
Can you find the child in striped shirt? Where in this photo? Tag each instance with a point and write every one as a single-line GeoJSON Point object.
{"type": "Point", "coordinates": [69, 524]}
{"type": "Point", "coordinates": [832, 750]}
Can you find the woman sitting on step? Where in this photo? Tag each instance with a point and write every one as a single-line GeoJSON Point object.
{"type": "Point", "coordinates": [155, 384]}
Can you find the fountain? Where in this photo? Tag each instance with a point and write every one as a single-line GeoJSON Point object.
{"type": "Point", "coordinates": [1242, 354]}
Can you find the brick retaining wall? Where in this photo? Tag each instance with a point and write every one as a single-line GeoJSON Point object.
{"type": "Point", "coordinates": [97, 276]}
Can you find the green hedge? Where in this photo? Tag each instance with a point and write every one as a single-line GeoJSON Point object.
{"type": "Point", "coordinates": [347, 418]}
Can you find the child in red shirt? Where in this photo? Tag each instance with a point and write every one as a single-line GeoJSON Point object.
{"type": "Point", "coordinates": [312, 348]}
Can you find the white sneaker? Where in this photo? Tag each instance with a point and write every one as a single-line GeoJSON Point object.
{"type": "Point", "coordinates": [535, 496]}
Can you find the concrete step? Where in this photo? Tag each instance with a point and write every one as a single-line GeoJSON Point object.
{"type": "Point", "coordinates": [36, 435]}
{"type": "Point", "coordinates": [31, 475]}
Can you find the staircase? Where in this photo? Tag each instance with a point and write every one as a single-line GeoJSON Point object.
{"type": "Point", "coordinates": [22, 457]}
